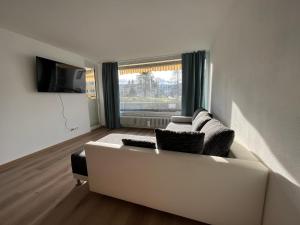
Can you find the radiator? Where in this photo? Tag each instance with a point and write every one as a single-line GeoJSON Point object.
{"type": "Point", "coordinates": [145, 122]}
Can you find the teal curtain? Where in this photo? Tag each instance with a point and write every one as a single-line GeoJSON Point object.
{"type": "Point", "coordinates": [192, 81]}
{"type": "Point", "coordinates": [110, 81]}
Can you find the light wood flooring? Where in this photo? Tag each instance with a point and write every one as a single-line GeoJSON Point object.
{"type": "Point", "coordinates": [40, 189]}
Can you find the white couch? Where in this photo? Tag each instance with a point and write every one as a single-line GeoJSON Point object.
{"type": "Point", "coordinates": [210, 189]}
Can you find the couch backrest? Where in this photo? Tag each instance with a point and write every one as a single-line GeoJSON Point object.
{"type": "Point", "coordinates": [210, 189]}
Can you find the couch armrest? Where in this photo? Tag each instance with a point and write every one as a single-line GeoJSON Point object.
{"type": "Point", "coordinates": [181, 119]}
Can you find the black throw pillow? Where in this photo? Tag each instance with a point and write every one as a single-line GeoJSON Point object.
{"type": "Point", "coordinates": [201, 119]}
{"type": "Point", "coordinates": [139, 143]}
{"type": "Point", "coordinates": [218, 138]}
{"type": "Point", "coordinates": [189, 142]}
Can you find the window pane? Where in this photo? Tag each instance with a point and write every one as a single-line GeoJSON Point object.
{"type": "Point", "coordinates": [152, 91]}
{"type": "Point", "coordinates": [90, 83]}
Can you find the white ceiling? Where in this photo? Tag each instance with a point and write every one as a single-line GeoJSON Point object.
{"type": "Point", "coordinates": [117, 29]}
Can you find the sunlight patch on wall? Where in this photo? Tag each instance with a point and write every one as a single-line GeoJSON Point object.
{"type": "Point", "coordinates": [247, 135]}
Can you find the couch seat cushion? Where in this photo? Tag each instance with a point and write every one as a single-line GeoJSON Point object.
{"type": "Point", "coordinates": [179, 127]}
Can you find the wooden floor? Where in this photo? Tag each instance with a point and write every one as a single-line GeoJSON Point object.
{"type": "Point", "coordinates": [41, 190]}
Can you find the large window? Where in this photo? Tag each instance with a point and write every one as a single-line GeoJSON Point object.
{"type": "Point", "coordinates": [151, 87]}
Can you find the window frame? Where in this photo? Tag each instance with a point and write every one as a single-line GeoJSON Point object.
{"type": "Point", "coordinates": [143, 62]}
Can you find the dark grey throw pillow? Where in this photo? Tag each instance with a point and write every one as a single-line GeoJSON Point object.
{"type": "Point", "coordinates": [200, 110]}
{"type": "Point", "coordinates": [139, 143]}
{"type": "Point", "coordinates": [218, 138]}
{"type": "Point", "coordinates": [201, 119]}
{"type": "Point", "coordinates": [196, 112]}
{"type": "Point", "coordinates": [190, 142]}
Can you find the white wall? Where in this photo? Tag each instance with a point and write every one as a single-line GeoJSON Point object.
{"type": "Point", "coordinates": [100, 96]}
{"type": "Point", "coordinates": [31, 121]}
{"type": "Point", "coordinates": [256, 82]}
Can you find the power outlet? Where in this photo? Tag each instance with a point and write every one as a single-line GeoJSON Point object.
{"type": "Point", "coordinates": [74, 128]}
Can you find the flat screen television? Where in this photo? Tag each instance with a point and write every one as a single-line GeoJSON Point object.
{"type": "Point", "coordinates": [54, 76]}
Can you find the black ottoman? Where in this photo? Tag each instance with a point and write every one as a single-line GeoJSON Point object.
{"type": "Point", "coordinates": [79, 167]}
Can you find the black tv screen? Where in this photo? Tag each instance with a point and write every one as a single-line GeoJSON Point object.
{"type": "Point", "coordinates": [54, 76]}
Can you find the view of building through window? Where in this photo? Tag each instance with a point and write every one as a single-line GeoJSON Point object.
{"type": "Point", "coordinates": [90, 83]}
{"type": "Point", "coordinates": [151, 88]}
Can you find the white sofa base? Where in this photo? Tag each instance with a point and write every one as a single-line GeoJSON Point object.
{"type": "Point", "coordinates": [214, 190]}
